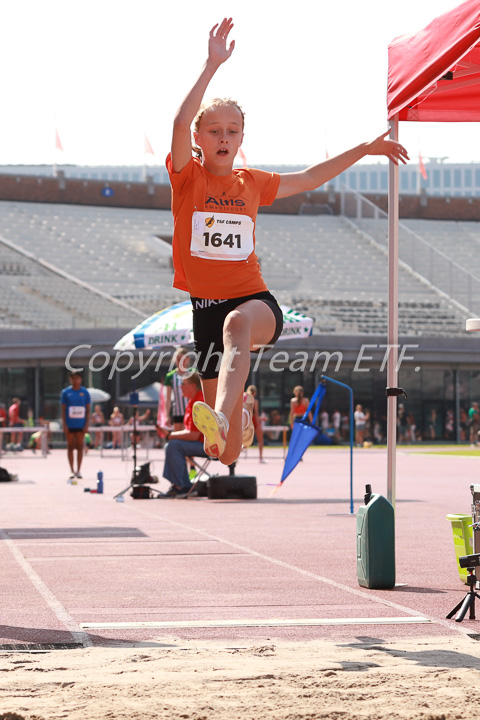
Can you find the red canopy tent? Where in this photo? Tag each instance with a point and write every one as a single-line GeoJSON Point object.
{"type": "Point", "coordinates": [433, 76]}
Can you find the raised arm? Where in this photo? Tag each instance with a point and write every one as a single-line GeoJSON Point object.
{"type": "Point", "coordinates": [316, 175]}
{"type": "Point", "coordinates": [218, 53]}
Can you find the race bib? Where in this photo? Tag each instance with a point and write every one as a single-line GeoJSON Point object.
{"type": "Point", "coordinates": [221, 236]}
{"type": "Point", "coordinates": [76, 412]}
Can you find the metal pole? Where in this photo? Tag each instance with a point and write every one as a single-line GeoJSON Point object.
{"type": "Point", "coordinates": [337, 382]}
{"type": "Point", "coordinates": [392, 371]}
{"type": "Point", "coordinates": [457, 404]}
{"type": "Point", "coordinates": [37, 401]}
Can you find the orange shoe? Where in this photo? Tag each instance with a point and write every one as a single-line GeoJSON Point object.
{"type": "Point", "coordinates": [213, 428]}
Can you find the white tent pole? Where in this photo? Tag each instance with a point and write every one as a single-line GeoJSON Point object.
{"type": "Point", "coordinates": [392, 372]}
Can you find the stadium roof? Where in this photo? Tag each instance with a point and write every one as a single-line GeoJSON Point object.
{"type": "Point", "coordinates": [434, 74]}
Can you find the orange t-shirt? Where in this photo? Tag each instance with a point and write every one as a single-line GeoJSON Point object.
{"type": "Point", "coordinates": [214, 236]}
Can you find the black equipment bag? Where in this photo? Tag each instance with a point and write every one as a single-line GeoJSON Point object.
{"type": "Point", "coordinates": [5, 475]}
{"type": "Point", "coordinates": [229, 487]}
{"type": "Point", "coordinates": [201, 488]}
{"type": "Point", "coordinates": [141, 492]}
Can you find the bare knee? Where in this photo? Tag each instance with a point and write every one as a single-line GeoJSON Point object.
{"type": "Point", "coordinates": [234, 327]}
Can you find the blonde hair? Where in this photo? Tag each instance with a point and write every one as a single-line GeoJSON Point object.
{"type": "Point", "coordinates": [251, 390]}
{"type": "Point", "coordinates": [298, 392]}
{"type": "Point", "coordinates": [216, 102]}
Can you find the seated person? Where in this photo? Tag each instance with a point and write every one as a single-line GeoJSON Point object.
{"type": "Point", "coordinates": [88, 442]}
{"type": "Point", "coordinates": [275, 419]}
{"type": "Point", "coordinates": [37, 438]}
{"type": "Point", "coordinates": [183, 443]}
{"type": "Point", "coordinates": [97, 420]}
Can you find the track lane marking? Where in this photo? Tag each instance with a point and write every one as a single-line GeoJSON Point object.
{"type": "Point", "coordinates": [254, 623]}
{"type": "Point", "coordinates": [79, 635]}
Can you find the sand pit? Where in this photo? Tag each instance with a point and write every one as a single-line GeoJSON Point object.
{"type": "Point", "coordinates": [423, 679]}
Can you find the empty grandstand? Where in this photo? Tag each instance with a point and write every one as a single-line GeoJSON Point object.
{"type": "Point", "coordinates": [81, 266]}
{"type": "Point", "coordinates": [82, 275]}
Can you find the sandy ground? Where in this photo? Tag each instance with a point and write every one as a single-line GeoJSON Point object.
{"type": "Point", "coordinates": [422, 679]}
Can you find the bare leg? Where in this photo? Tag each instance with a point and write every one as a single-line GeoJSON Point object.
{"type": "Point", "coordinates": [70, 447]}
{"type": "Point", "coordinates": [234, 439]}
{"type": "Point", "coordinates": [79, 443]}
{"type": "Point", "coordinates": [259, 434]}
{"type": "Point", "coordinates": [248, 327]}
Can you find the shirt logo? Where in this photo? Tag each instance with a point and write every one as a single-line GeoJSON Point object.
{"type": "Point", "coordinates": [224, 201]}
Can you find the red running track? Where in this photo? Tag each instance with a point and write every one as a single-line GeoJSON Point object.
{"type": "Point", "coordinates": [71, 559]}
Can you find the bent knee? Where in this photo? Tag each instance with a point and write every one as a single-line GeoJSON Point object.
{"type": "Point", "coordinates": [235, 323]}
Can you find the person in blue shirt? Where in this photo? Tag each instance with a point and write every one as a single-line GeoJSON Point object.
{"type": "Point", "coordinates": [75, 402]}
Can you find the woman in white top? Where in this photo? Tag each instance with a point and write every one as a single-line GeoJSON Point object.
{"type": "Point", "coordinates": [97, 419]}
{"type": "Point", "coordinates": [360, 424]}
{"type": "Point", "coordinates": [116, 420]}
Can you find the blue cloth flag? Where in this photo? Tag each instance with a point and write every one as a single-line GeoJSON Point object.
{"type": "Point", "coordinates": [304, 433]}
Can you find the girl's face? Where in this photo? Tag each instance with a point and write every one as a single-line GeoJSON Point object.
{"type": "Point", "coordinates": [219, 136]}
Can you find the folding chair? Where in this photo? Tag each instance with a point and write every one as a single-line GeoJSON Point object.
{"type": "Point", "coordinates": [201, 464]}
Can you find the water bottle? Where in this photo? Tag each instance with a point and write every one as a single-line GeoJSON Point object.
{"type": "Point", "coordinates": [100, 482]}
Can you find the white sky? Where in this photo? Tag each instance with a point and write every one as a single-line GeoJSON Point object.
{"type": "Point", "coordinates": [310, 75]}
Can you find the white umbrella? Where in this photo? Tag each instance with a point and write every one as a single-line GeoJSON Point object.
{"type": "Point", "coordinates": [173, 326]}
{"type": "Point", "coordinates": [98, 396]}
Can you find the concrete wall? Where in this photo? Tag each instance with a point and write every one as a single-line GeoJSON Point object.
{"type": "Point", "coordinates": [29, 188]}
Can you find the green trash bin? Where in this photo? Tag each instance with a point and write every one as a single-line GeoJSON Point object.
{"type": "Point", "coordinates": [462, 539]}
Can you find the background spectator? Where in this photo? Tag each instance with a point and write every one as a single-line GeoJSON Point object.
{"type": "Point", "coordinates": [14, 420]}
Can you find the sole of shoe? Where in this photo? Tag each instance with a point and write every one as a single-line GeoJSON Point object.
{"type": "Point", "coordinates": [207, 421]}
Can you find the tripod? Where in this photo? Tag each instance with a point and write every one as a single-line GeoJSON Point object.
{"type": "Point", "coordinates": [138, 478]}
{"type": "Point", "coordinates": [468, 601]}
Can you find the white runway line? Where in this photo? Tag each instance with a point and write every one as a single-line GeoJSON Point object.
{"type": "Point", "coordinates": [253, 623]}
{"type": "Point", "coordinates": [79, 635]}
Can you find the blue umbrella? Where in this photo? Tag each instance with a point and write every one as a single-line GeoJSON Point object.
{"type": "Point", "coordinates": [304, 433]}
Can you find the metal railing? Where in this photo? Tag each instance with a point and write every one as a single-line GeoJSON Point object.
{"type": "Point", "coordinates": [431, 265]}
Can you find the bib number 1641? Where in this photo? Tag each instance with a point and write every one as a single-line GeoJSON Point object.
{"type": "Point", "coordinates": [217, 240]}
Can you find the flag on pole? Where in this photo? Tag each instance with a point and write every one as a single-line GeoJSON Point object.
{"type": "Point", "coordinates": [58, 144]}
{"type": "Point", "coordinates": [148, 147]}
{"type": "Point", "coordinates": [421, 166]}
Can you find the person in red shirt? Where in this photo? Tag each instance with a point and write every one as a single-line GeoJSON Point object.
{"type": "Point", "coordinates": [3, 421]}
{"type": "Point", "coordinates": [14, 420]}
{"type": "Point", "coordinates": [183, 443]}
{"type": "Point", "coordinates": [214, 209]}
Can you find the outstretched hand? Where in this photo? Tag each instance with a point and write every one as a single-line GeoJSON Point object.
{"type": "Point", "coordinates": [390, 148]}
{"type": "Point", "coordinates": [218, 52]}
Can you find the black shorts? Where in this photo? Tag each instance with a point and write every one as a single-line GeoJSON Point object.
{"type": "Point", "coordinates": [177, 418]}
{"type": "Point", "coordinates": [208, 320]}
{"type": "Point", "coordinates": [76, 430]}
